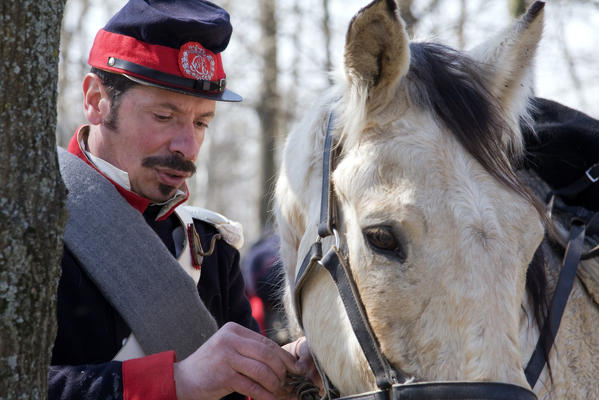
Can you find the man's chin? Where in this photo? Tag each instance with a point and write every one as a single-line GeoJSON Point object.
{"type": "Point", "coordinates": [163, 194]}
{"type": "Point", "coordinates": [167, 191]}
{"type": "Point", "coordinates": [160, 193]}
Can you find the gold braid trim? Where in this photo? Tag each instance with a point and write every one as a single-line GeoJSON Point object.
{"type": "Point", "coordinates": [197, 251]}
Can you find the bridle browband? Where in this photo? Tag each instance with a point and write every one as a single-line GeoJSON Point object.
{"type": "Point", "coordinates": [393, 384]}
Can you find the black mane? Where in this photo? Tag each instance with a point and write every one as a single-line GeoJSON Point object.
{"type": "Point", "coordinates": [454, 87]}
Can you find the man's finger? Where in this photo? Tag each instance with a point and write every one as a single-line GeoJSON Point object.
{"type": "Point", "coordinates": [262, 349]}
{"type": "Point", "coordinates": [259, 372]}
{"type": "Point", "coordinates": [247, 387]}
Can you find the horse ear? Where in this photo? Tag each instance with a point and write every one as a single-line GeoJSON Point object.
{"type": "Point", "coordinates": [508, 59]}
{"type": "Point", "coordinates": [377, 52]}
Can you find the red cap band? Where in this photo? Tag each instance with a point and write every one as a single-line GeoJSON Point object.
{"type": "Point", "coordinates": [192, 61]}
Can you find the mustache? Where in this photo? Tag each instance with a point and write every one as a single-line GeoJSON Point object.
{"type": "Point", "coordinates": [172, 161]}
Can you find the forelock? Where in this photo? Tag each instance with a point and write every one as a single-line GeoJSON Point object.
{"type": "Point", "coordinates": [453, 87]}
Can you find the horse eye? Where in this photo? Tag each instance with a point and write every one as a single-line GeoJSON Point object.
{"type": "Point", "coordinates": [382, 238]}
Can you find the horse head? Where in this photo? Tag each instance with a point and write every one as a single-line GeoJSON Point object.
{"type": "Point", "coordinates": [435, 225]}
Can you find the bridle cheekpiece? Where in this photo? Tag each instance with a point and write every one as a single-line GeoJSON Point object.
{"type": "Point", "coordinates": [393, 384]}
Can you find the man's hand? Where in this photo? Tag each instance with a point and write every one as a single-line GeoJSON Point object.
{"type": "Point", "coordinates": [235, 359]}
{"type": "Point", "coordinates": [300, 350]}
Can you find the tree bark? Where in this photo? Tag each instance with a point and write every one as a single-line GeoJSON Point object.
{"type": "Point", "coordinates": [462, 24]}
{"type": "Point", "coordinates": [269, 106]}
{"type": "Point", "coordinates": [405, 9]}
{"type": "Point", "coordinates": [66, 77]}
{"type": "Point", "coordinates": [517, 7]}
{"type": "Point", "coordinates": [326, 31]}
{"type": "Point", "coordinates": [32, 211]}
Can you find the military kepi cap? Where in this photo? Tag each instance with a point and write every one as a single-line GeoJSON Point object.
{"type": "Point", "coordinates": [172, 44]}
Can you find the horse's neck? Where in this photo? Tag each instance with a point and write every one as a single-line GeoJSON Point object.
{"type": "Point", "coordinates": [574, 358]}
{"type": "Point", "coordinates": [588, 270]}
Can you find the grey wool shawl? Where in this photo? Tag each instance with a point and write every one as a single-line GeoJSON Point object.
{"type": "Point", "coordinates": [130, 265]}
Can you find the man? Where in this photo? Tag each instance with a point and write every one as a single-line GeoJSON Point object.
{"type": "Point", "coordinates": [131, 324]}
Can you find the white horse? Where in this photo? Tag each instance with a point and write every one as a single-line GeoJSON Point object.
{"type": "Point", "coordinates": [438, 229]}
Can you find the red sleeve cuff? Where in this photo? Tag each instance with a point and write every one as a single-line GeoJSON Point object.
{"type": "Point", "coordinates": [150, 377]}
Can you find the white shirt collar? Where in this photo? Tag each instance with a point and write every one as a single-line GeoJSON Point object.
{"type": "Point", "coordinates": [117, 175]}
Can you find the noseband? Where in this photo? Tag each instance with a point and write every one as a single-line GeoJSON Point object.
{"type": "Point", "coordinates": [393, 384]}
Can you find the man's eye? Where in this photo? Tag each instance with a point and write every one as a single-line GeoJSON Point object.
{"type": "Point", "coordinates": [202, 125]}
{"type": "Point", "coordinates": [161, 117]}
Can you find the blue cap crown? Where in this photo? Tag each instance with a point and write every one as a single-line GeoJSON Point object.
{"type": "Point", "coordinates": [172, 44]}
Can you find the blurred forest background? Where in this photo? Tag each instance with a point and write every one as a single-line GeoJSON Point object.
{"type": "Point", "coordinates": [279, 58]}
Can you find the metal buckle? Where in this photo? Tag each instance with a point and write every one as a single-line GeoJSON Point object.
{"type": "Point", "coordinates": [336, 238]}
{"type": "Point", "coordinates": [335, 247]}
{"type": "Point", "coordinates": [592, 178]}
{"type": "Point", "coordinates": [222, 84]}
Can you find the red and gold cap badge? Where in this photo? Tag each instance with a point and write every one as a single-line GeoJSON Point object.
{"type": "Point", "coordinates": [196, 62]}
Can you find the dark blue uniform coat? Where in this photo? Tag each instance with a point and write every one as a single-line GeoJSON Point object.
{"type": "Point", "coordinates": [91, 331]}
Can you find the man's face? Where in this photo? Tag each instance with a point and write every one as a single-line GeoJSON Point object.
{"type": "Point", "coordinates": [157, 139]}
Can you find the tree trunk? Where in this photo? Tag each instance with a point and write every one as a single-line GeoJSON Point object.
{"type": "Point", "coordinates": [268, 108]}
{"type": "Point", "coordinates": [67, 78]}
{"type": "Point", "coordinates": [405, 9]}
{"type": "Point", "coordinates": [462, 24]}
{"type": "Point", "coordinates": [32, 211]}
{"type": "Point", "coordinates": [326, 30]}
{"type": "Point", "coordinates": [517, 7]}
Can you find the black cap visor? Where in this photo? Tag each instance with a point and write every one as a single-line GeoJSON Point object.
{"type": "Point", "coordinates": [151, 77]}
{"type": "Point", "coordinates": [226, 95]}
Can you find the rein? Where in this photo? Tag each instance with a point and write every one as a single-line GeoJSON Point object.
{"type": "Point", "coordinates": [582, 221]}
{"type": "Point", "coordinates": [392, 383]}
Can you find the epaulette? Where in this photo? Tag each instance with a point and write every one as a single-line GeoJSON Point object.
{"type": "Point", "coordinates": [232, 231]}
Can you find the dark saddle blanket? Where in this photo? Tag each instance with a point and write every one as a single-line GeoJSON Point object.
{"type": "Point", "coordinates": [564, 146]}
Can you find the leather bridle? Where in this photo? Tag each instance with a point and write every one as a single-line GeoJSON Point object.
{"type": "Point", "coordinates": [391, 382]}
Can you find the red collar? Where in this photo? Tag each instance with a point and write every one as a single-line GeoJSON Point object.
{"type": "Point", "coordinates": [136, 201]}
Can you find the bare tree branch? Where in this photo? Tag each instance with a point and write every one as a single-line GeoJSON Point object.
{"type": "Point", "coordinates": [268, 107]}
{"type": "Point", "coordinates": [326, 30]}
{"type": "Point", "coordinates": [405, 8]}
{"type": "Point", "coordinates": [65, 78]}
{"type": "Point", "coordinates": [571, 66]}
{"type": "Point", "coordinates": [462, 23]}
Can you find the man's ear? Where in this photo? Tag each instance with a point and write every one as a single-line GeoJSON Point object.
{"type": "Point", "coordinates": [96, 103]}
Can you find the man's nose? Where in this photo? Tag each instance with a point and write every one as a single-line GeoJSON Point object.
{"type": "Point", "coordinates": [187, 141]}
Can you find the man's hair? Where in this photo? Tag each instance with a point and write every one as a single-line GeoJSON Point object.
{"type": "Point", "coordinates": [116, 85]}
